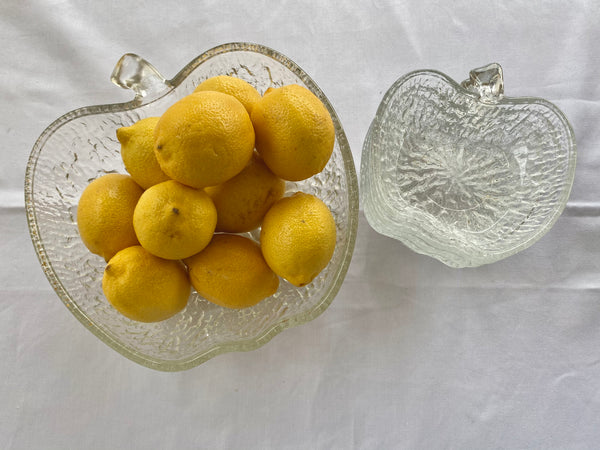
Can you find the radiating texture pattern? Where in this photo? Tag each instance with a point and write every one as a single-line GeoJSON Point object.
{"type": "Point", "coordinates": [82, 146]}
{"type": "Point", "coordinates": [465, 181]}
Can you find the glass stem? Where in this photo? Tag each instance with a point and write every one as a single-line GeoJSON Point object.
{"type": "Point", "coordinates": [486, 82]}
{"type": "Point", "coordinates": [135, 73]}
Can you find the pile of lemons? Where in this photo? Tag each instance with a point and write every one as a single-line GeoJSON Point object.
{"type": "Point", "coordinates": [211, 168]}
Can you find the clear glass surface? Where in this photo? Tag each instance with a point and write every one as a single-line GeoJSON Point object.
{"type": "Point", "coordinates": [81, 146]}
{"type": "Point", "coordinates": [461, 172]}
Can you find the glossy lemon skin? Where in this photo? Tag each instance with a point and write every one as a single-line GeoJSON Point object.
{"type": "Point", "coordinates": [231, 272]}
{"type": "Point", "coordinates": [137, 152]}
{"type": "Point", "coordinates": [298, 237]}
{"type": "Point", "coordinates": [143, 287]}
{"type": "Point", "coordinates": [105, 214]}
{"type": "Point", "coordinates": [295, 134]}
{"type": "Point", "coordinates": [204, 139]}
{"type": "Point", "coordinates": [240, 89]}
{"type": "Point", "coordinates": [174, 221]}
{"type": "Point", "coordinates": [243, 201]}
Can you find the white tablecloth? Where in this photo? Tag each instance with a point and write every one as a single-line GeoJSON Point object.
{"type": "Point", "coordinates": [411, 354]}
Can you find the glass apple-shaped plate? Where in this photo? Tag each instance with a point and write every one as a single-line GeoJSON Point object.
{"type": "Point", "coordinates": [81, 146]}
{"type": "Point", "coordinates": [461, 172]}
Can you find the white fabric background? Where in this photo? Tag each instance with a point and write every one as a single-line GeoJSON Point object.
{"type": "Point", "coordinates": [411, 354]}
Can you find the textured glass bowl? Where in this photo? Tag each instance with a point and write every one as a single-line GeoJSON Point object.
{"type": "Point", "coordinates": [461, 172]}
{"type": "Point", "coordinates": [81, 146]}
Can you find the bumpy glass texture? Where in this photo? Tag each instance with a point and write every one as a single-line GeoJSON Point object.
{"type": "Point", "coordinates": [82, 145]}
{"type": "Point", "coordinates": [468, 179]}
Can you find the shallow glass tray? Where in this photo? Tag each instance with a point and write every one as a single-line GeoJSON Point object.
{"type": "Point", "coordinates": [81, 146]}
{"type": "Point", "coordinates": [462, 173]}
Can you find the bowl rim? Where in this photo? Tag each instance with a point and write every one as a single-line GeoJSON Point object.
{"type": "Point", "coordinates": [409, 238]}
{"type": "Point", "coordinates": [237, 346]}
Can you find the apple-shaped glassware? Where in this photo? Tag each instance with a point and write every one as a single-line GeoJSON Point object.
{"type": "Point", "coordinates": [81, 146]}
{"type": "Point", "coordinates": [461, 172]}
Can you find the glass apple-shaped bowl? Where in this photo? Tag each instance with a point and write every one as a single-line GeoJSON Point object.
{"type": "Point", "coordinates": [81, 146]}
{"type": "Point", "coordinates": [461, 172]}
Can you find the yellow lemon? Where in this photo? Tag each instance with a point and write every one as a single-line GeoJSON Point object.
{"type": "Point", "coordinates": [204, 139]}
{"type": "Point", "coordinates": [240, 89]}
{"type": "Point", "coordinates": [232, 272]}
{"type": "Point", "coordinates": [294, 132]}
{"type": "Point", "coordinates": [137, 152]}
{"type": "Point", "coordinates": [144, 287]}
{"type": "Point", "coordinates": [174, 221]}
{"type": "Point", "coordinates": [243, 200]}
{"type": "Point", "coordinates": [105, 214]}
{"type": "Point", "coordinates": [298, 237]}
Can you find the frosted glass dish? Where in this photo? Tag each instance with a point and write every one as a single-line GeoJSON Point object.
{"type": "Point", "coordinates": [81, 145]}
{"type": "Point", "coordinates": [461, 172]}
